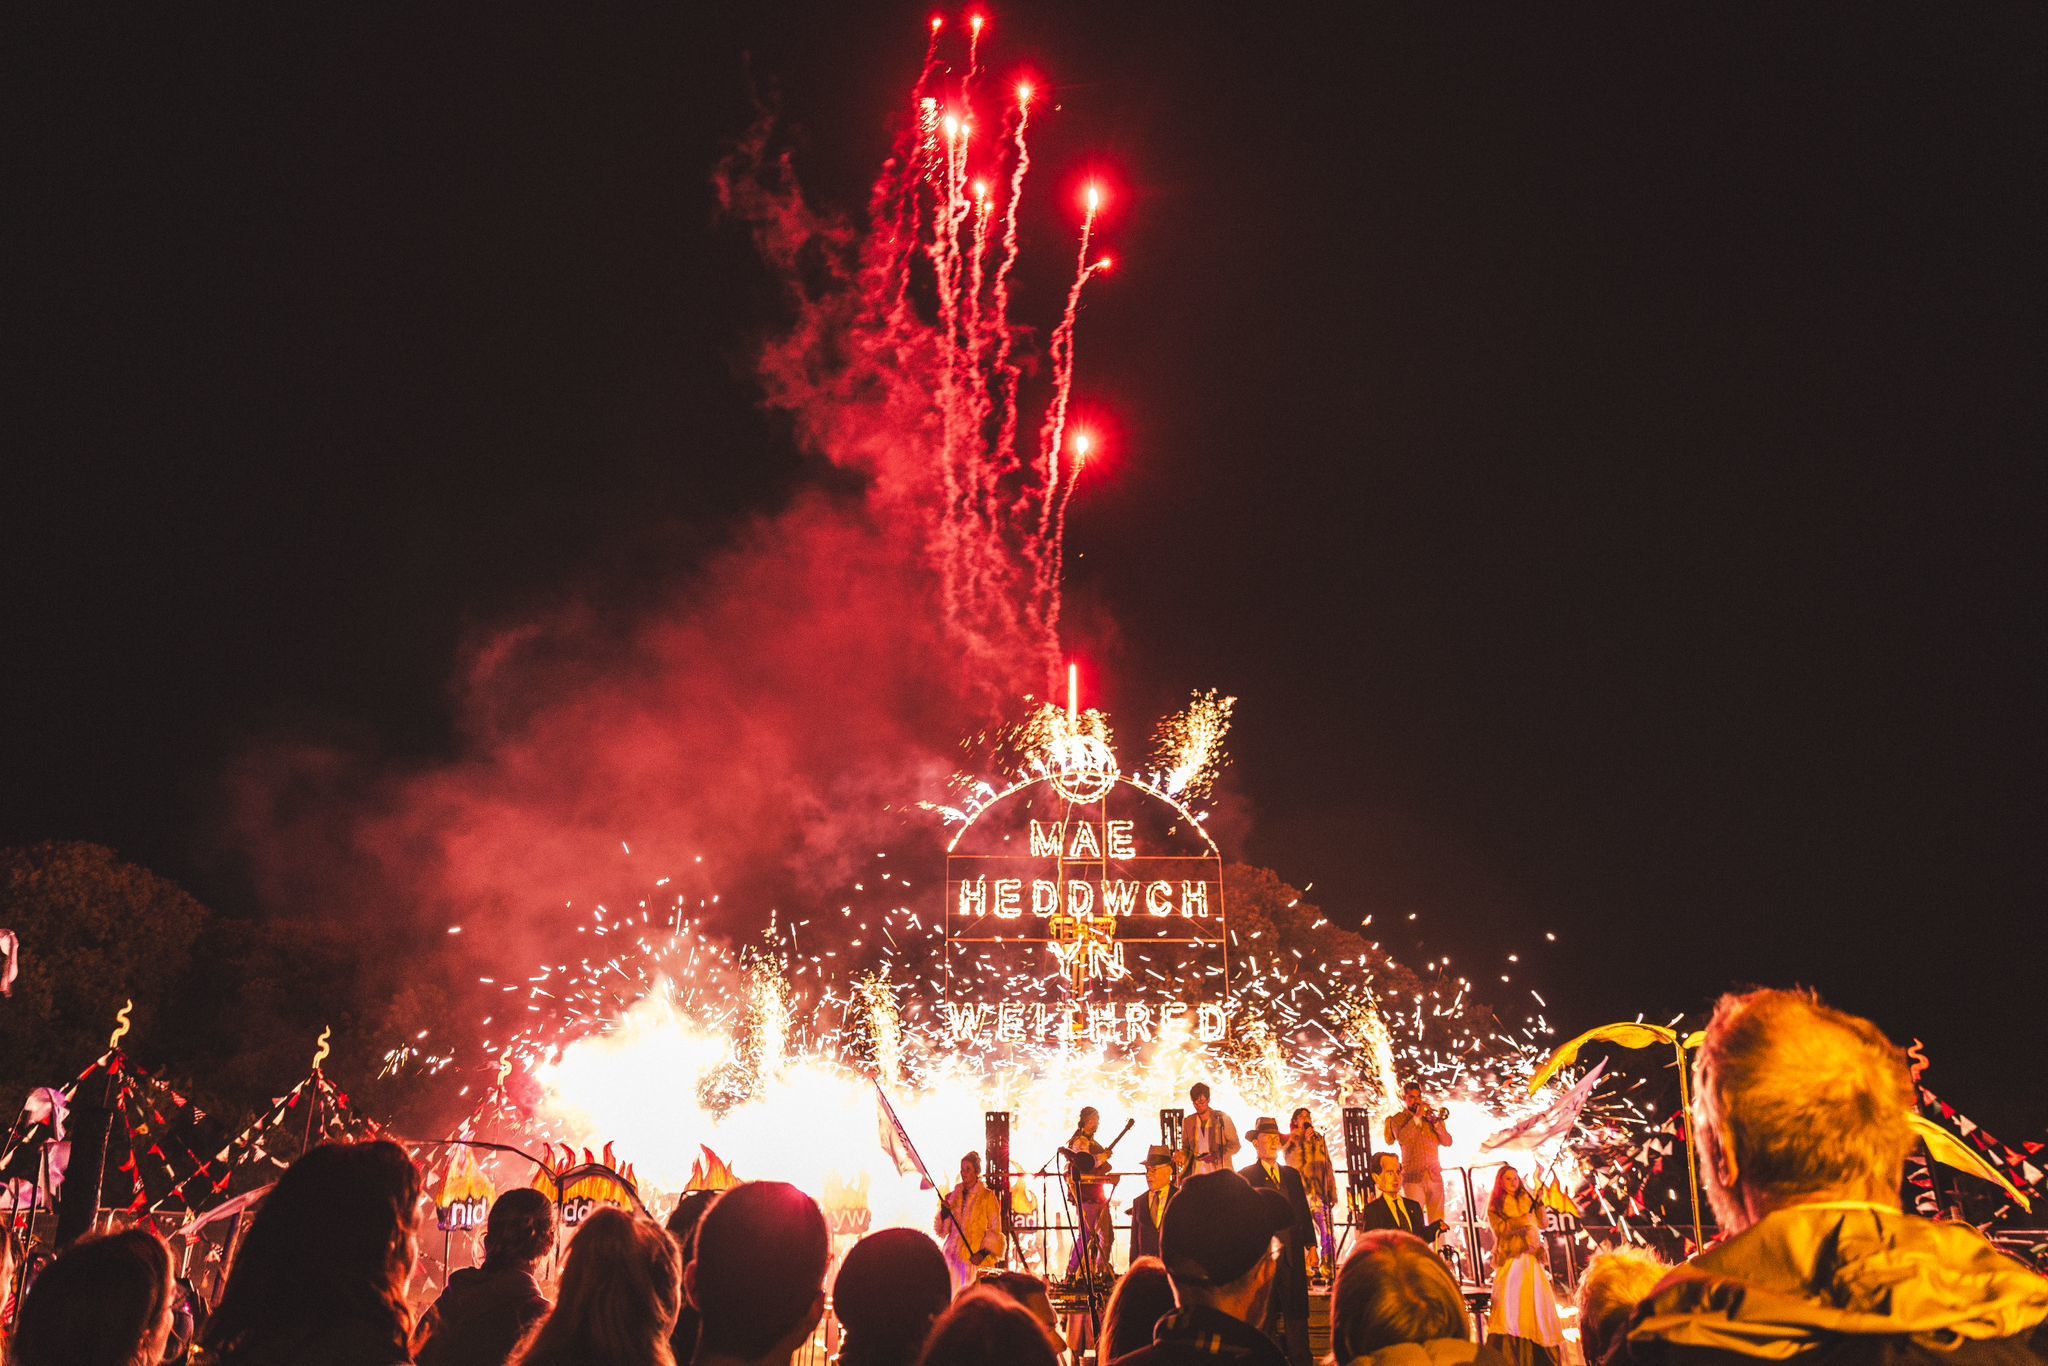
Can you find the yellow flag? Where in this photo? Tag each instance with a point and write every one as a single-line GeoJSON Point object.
{"type": "Point", "coordinates": [1951, 1151]}
{"type": "Point", "coordinates": [1627, 1034]}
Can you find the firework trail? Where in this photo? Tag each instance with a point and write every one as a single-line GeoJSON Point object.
{"type": "Point", "coordinates": [908, 362]}
{"type": "Point", "coordinates": [903, 361]}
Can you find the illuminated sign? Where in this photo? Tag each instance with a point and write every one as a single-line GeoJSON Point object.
{"type": "Point", "coordinates": [1084, 905]}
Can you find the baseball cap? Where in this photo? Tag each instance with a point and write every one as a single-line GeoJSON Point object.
{"type": "Point", "coordinates": [1218, 1227]}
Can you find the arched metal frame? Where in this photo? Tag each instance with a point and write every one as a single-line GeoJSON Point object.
{"type": "Point", "coordinates": [1220, 940]}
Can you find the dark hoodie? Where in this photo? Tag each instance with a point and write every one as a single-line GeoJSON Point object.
{"type": "Point", "coordinates": [1844, 1283]}
{"type": "Point", "coordinates": [480, 1318]}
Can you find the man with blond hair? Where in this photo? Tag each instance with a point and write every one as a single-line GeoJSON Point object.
{"type": "Point", "coordinates": [1615, 1282]}
{"type": "Point", "coordinates": [1801, 1116]}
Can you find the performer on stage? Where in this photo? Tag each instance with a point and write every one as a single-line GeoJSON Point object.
{"type": "Point", "coordinates": [1308, 1154]}
{"type": "Point", "coordinates": [1388, 1208]}
{"type": "Point", "coordinates": [1420, 1133]}
{"type": "Point", "coordinates": [1207, 1134]}
{"type": "Point", "coordinates": [1148, 1211]}
{"type": "Point", "coordinates": [980, 1215]}
{"type": "Point", "coordinates": [1091, 1196]}
{"type": "Point", "coordinates": [1287, 1310]}
{"type": "Point", "coordinates": [1524, 1324]}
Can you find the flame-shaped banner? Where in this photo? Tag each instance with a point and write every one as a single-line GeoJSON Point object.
{"type": "Point", "coordinates": [464, 1200]}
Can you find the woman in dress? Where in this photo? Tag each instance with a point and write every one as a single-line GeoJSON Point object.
{"type": "Point", "coordinates": [1524, 1324]}
{"type": "Point", "coordinates": [1308, 1154]}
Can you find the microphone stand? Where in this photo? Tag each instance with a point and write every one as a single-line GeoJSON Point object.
{"type": "Point", "coordinates": [1091, 1273]}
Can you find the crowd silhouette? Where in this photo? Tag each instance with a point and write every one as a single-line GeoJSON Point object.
{"type": "Point", "coordinates": [1801, 1117]}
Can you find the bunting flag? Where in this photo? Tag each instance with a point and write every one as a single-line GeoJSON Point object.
{"type": "Point", "coordinates": [1554, 1121]}
{"type": "Point", "coordinates": [1627, 1034]}
{"type": "Point", "coordinates": [314, 1111]}
{"type": "Point", "coordinates": [1949, 1150]}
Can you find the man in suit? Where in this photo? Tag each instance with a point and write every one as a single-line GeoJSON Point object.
{"type": "Point", "coordinates": [1148, 1211]}
{"type": "Point", "coordinates": [1389, 1208]}
{"type": "Point", "coordinates": [1287, 1311]}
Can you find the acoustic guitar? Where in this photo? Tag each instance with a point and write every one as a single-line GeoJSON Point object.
{"type": "Point", "coordinates": [1084, 1165]}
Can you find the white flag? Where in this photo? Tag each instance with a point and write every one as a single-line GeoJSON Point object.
{"type": "Point", "coordinates": [896, 1141]}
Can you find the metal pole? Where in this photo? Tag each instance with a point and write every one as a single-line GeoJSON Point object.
{"type": "Point", "coordinates": [1692, 1157]}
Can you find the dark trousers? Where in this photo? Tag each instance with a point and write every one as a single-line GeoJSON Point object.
{"type": "Point", "coordinates": [1287, 1314]}
{"type": "Point", "coordinates": [1095, 1233]}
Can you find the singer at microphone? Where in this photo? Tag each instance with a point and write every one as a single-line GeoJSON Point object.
{"type": "Point", "coordinates": [1418, 1129]}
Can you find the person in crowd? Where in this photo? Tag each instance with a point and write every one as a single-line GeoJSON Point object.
{"type": "Point", "coordinates": [1418, 1129]}
{"type": "Point", "coordinates": [889, 1289]}
{"type": "Point", "coordinates": [619, 1293]}
{"type": "Point", "coordinates": [986, 1328]}
{"type": "Point", "coordinates": [105, 1301]}
{"type": "Point", "coordinates": [1142, 1298]}
{"type": "Point", "coordinates": [1148, 1211]}
{"type": "Point", "coordinates": [1208, 1135]}
{"type": "Point", "coordinates": [1616, 1280]}
{"type": "Point", "coordinates": [1524, 1322]}
{"type": "Point", "coordinates": [682, 1227]}
{"type": "Point", "coordinates": [6, 1279]}
{"type": "Point", "coordinates": [1801, 1112]}
{"type": "Point", "coordinates": [1220, 1246]}
{"type": "Point", "coordinates": [1389, 1208]}
{"type": "Point", "coordinates": [1031, 1293]}
{"type": "Point", "coordinates": [1308, 1154]}
{"type": "Point", "coordinates": [1287, 1307]}
{"type": "Point", "coordinates": [188, 1316]}
{"type": "Point", "coordinates": [487, 1311]}
{"type": "Point", "coordinates": [1397, 1304]}
{"type": "Point", "coordinates": [758, 1276]}
{"type": "Point", "coordinates": [973, 1208]}
{"type": "Point", "coordinates": [321, 1276]}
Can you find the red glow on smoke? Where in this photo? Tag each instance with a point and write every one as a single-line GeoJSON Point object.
{"type": "Point", "coordinates": [773, 715]}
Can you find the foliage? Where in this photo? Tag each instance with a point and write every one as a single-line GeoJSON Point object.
{"type": "Point", "coordinates": [230, 1009]}
{"type": "Point", "coordinates": [95, 931]}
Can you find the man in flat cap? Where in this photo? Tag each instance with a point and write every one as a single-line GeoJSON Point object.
{"type": "Point", "coordinates": [1220, 1245]}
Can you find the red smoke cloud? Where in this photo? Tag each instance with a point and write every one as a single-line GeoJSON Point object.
{"type": "Point", "coordinates": [768, 721]}
{"type": "Point", "coordinates": [777, 716]}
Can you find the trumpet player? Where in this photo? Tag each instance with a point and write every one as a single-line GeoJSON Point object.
{"type": "Point", "coordinates": [1418, 1130]}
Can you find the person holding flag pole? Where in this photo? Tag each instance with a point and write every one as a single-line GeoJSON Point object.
{"type": "Point", "coordinates": [901, 1151]}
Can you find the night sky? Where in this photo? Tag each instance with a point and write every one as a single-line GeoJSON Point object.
{"type": "Point", "coordinates": [1600, 446]}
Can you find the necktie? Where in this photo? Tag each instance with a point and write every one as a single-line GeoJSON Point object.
{"type": "Point", "coordinates": [1273, 1174]}
{"type": "Point", "coordinates": [1400, 1210]}
{"type": "Point", "coordinates": [1158, 1203]}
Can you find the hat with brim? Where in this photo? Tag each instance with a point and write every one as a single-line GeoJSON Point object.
{"type": "Point", "coordinates": [1267, 1125]}
{"type": "Point", "coordinates": [1218, 1228]}
{"type": "Point", "coordinates": [1158, 1155]}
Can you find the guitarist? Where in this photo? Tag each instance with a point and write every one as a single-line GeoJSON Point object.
{"type": "Point", "coordinates": [1091, 1190]}
{"type": "Point", "coordinates": [980, 1213]}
